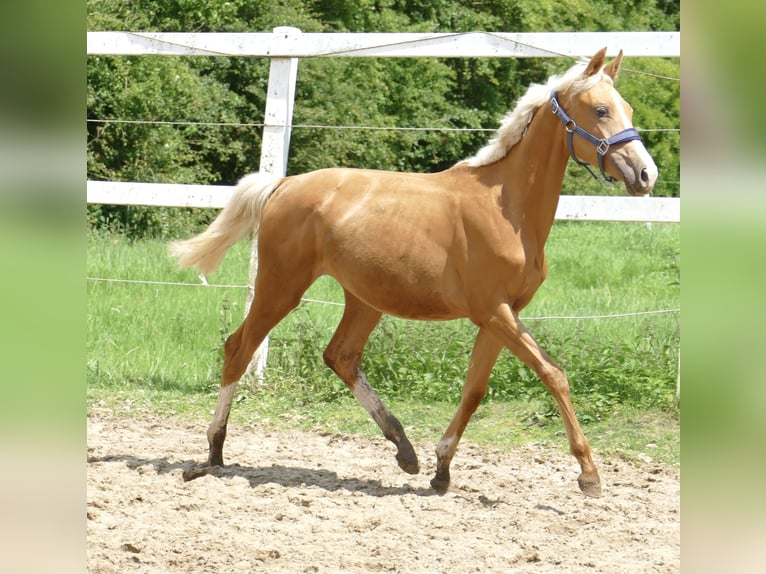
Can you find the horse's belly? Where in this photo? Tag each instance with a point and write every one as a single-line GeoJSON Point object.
{"type": "Point", "coordinates": [401, 284]}
{"type": "Point", "coordinates": [420, 308]}
{"type": "Point", "coordinates": [411, 305]}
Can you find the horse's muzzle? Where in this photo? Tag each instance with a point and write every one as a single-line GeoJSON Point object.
{"type": "Point", "coordinates": [642, 183]}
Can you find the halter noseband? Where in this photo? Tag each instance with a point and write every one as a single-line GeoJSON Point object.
{"type": "Point", "coordinates": [602, 145]}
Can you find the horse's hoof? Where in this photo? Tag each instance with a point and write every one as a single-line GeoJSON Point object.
{"type": "Point", "coordinates": [408, 460]}
{"type": "Point", "coordinates": [440, 485]}
{"type": "Point", "coordinates": [591, 489]}
{"type": "Point", "coordinates": [410, 467]}
{"type": "Point", "coordinates": [196, 472]}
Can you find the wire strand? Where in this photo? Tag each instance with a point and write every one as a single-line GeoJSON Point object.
{"type": "Point", "coordinates": [319, 126]}
{"type": "Point", "coordinates": [333, 303]}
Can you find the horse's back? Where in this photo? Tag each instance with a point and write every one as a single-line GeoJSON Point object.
{"type": "Point", "coordinates": [385, 204]}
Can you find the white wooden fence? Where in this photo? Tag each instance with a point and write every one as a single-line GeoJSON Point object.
{"type": "Point", "coordinates": [285, 45]}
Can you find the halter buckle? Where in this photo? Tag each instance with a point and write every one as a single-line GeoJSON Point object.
{"type": "Point", "coordinates": [602, 147]}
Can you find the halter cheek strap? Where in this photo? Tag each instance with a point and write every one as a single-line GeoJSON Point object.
{"type": "Point", "coordinates": [602, 145]}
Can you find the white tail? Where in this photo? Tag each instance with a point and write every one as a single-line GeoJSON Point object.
{"type": "Point", "coordinates": [241, 216]}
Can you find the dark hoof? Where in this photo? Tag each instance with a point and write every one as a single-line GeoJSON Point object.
{"type": "Point", "coordinates": [407, 459]}
{"type": "Point", "coordinates": [440, 485]}
{"type": "Point", "coordinates": [193, 473]}
{"type": "Point", "coordinates": [591, 489]}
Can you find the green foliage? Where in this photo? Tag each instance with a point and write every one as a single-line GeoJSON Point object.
{"type": "Point", "coordinates": [426, 361]}
{"type": "Point", "coordinates": [295, 359]}
{"type": "Point", "coordinates": [140, 338]}
{"type": "Point", "coordinates": [160, 90]}
{"type": "Point", "coordinates": [657, 105]}
{"type": "Point", "coordinates": [195, 95]}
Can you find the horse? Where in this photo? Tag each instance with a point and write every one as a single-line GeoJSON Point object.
{"type": "Point", "coordinates": [464, 242]}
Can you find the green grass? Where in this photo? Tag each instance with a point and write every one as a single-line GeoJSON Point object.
{"type": "Point", "coordinates": [157, 348]}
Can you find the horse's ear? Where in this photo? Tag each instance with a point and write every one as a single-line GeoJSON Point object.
{"type": "Point", "coordinates": [613, 67]}
{"type": "Point", "coordinates": [596, 63]}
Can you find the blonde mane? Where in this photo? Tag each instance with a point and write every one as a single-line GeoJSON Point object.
{"type": "Point", "coordinates": [514, 124]}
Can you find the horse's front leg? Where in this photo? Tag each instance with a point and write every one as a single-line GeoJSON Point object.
{"type": "Point", "coordinates": [507, 326]}
{"type": "Point", "coordinates": [486, 348]}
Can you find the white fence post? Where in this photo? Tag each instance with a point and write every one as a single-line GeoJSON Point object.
{"type": "Point", "coordinates": [277, 122]}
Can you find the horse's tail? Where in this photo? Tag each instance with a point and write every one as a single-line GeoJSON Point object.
{"type": "Point", "coordinates": [241, 216]}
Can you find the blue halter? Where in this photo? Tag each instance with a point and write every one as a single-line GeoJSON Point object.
{"type": "Point", "coordinates": [602, 145]}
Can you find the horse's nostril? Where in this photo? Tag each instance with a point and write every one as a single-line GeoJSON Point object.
{"type": "Point", "coordinates": [644, 176]}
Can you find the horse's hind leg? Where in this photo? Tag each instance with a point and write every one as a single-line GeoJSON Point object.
{"type": "Point", "coordinates": [344, 356]}
{"type": "Point", "coordinates": [274, 298]}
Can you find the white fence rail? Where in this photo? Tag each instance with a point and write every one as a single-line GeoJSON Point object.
{"type": "Point", "coordinates": [292, 43]}
{"type": "Point", "coordinates": [285, 45]}
{"type": "Point", "coordinates": [571, 207]}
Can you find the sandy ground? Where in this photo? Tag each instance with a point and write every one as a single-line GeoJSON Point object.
{"type": "Point", "coordinates": [292, 502]}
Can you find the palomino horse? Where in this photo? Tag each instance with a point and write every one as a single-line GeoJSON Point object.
{"type": "Point", "coordinates": [464, 242]}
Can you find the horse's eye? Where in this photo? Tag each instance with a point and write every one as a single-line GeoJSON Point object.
{"type": "Point", "coordinates": [602, 112]}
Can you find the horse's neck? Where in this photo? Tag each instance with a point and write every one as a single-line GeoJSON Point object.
{"type": "Point", "coordinates": [532, 174]}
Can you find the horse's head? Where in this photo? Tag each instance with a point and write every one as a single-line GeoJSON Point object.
{"type": "Point", "coordinates": [594, 110]}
